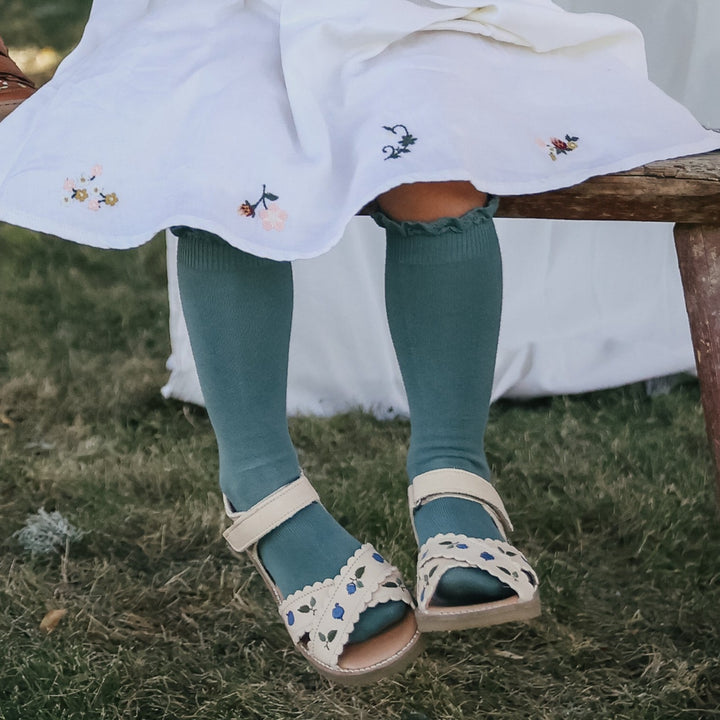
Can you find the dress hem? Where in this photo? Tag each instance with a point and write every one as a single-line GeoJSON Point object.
{"type": "Point", "coordinates": [104, 240]}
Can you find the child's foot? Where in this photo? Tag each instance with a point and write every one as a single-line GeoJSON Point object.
{"type": "Point", "coordinates": [461, 586]}
{"type": "Point", "coordinates": [15, 86]}
{"type": "Point", "coordinates": [345, 607]}
{"type": "Point", "coordinates": [312, 546]}
{"type": "Point", "coordinates": [468, 574]}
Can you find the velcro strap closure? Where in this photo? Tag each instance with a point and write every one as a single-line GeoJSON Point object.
{"type": "Point", "coordinates": [451, 482]}
{"type": "Point", "coordinates": [248, 527]}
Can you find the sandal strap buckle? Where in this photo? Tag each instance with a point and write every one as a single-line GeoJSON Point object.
{"type": "Point", "coordinates": [250, 526]}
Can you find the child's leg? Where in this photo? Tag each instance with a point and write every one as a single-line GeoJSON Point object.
{"type": "Point", "coordinates": [443, 297]}
{"type": "Point", "coordinates": [238, 309]}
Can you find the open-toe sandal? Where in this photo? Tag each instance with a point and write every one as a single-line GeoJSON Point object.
{"type": "Point", "coordinates": [448, 550]}
{"type": "Point", "coordinates": [320, 617]}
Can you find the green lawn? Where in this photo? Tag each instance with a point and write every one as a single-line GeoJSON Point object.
{"type": "Point", "coordinates": [611, 494]}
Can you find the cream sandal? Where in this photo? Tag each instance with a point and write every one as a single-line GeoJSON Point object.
{"type": "Point", "coordinates": [448, 550]}
{"type": "Point", "coordinates": [320, 617]}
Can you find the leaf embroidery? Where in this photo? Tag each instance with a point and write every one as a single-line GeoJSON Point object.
{"type": "Point", "coordinates": [309, 608]}
{"type": "Point", "coordinates": [327, 639]}
{"type": "Point", "coordinates": [393, 152]}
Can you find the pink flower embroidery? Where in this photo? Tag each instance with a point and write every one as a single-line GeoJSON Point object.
{"type": "Point", "coordinates": [93, 195]}
{"type": "Point", "coordinates": [274, 217]}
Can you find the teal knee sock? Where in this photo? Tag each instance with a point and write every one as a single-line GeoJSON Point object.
{"type": "Point", "coordinates": [238, 310]}
{"type": "Point", "coordinates": [443, 286]}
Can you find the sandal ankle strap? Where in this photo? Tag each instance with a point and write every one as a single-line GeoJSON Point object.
{"type": "Point", "coordinates": [451, 482]}
{"type": "Point", "coordinates": [253, 524]}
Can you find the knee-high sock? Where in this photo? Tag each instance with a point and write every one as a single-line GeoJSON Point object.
{"type": "Point", "coordinates": [238, 310]}
{"type": "Point", "coordinates": [443, 286]}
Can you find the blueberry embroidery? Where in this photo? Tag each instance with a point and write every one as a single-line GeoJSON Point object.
{"type": "Point", "coordinates": [378, 557]}
{"type": "Point", "coordinates": [291, 618]}
{"type": "Point", "coordinates": [487, 556]}
{"type": "Point", "coordinates": [356, 583]}
{"type": "Point", "coordinates": [338, 612]}
{"type": "Point", "coordinates": [393, 152]}
{"type": "Point", "coordinates": [450, 544]}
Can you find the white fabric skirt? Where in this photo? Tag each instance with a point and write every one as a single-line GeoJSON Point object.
{"type": "Point", "coordinates": [272, 122]}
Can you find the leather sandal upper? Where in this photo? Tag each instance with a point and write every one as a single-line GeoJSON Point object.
{"type": "Point", "coordinates": [319, 617]}
{"type": "Point", "coordinates": [445, 551]}
{"type": "Point", "coordinates": [250, 526]}
{"type": "Point", "coordinates": [452, 482]}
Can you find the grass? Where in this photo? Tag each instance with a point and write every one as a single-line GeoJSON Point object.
{"type": "Point", "coordinates": [611, 494]}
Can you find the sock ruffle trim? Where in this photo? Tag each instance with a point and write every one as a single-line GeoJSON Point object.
{"type": "Point", "coordinates": [409, 228]}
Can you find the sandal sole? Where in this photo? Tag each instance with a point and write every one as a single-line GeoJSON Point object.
{"type": "Point", "coordinates": [464, 617]}
{"type": "Point", "coordinates": [402, 659]}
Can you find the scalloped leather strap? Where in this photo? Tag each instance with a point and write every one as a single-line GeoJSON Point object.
{"type": "Point", "coordinates": [248, 527]}
{"type": "Point", "coordinates": [450, 482]}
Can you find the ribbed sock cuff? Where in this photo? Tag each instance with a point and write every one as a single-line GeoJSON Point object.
{"type": "Point", "coordinates": [201, 250]}
{"type": "Point", "coordinates": [448, 240]}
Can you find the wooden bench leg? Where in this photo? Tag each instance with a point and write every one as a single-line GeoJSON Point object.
{"type": "Point", "coordinates": [698, 251]}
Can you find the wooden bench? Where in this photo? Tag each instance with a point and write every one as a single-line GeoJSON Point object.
{"type": "Point", "coordinates": [685, 191]}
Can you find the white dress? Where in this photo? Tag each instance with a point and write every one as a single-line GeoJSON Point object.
{"type": "Point", "coordinates": [272, 122]}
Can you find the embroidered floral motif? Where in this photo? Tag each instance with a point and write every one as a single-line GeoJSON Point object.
{"type": "Point", "coordinates": [273, 217]}
{"type": "Point", "coordinates": [559, 147]}
{"type": "Point", "coordinates": [86, 191]}
{"type": "Point", "coordinates": [327, 639]}
{"type": "Point", "coordinates": [355, 581]}
{"type": "Point", "coordinates": [393, 152]}
{"type": "Point", "coordinates": [451, 544]}
{"type": "Point", "coordinates": [309, 608]}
